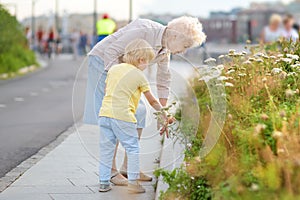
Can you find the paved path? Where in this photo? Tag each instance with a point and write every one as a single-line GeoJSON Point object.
{"type": "Point", "coordinates": [70, 171]}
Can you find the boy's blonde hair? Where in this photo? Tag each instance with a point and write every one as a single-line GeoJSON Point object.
{"type": "Point", "coordinates": [138, 49]}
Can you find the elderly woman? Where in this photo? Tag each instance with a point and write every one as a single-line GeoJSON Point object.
{"type": "Point", "coordinates": [272, 32]}
{"type": "Point", "coordinates": [180, 34]}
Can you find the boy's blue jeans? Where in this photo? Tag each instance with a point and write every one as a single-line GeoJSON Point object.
{"type": "Point", "coordinates": [111, 131]}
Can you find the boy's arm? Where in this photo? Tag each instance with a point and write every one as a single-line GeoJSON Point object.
{"type": "Point", "coordinates": [156, 105]}
{"type": "Point", "coordinates": [152, 100]}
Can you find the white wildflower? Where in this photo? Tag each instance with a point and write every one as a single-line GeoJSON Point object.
{"type": "Point", "coordinates": [289, 93]}
{"type": "Point", "coordinates": [227, 84]}
{"type": "Point", "coordinates": [251, 59]}
{"type": "Point", "coordinates": [210, 60]}
{"type": "Point", "coordinates": [231, 51]}
{"type": "Point", "coordinates": [221, 56]}
{"type": "Point", "coordinates": [295, 65]}
{"type": "Point", "coordinates": [220, 67]}
{"type": "Point", "coordinates": [247, 62]}
{"type": "Point", "coordinates": [264, 80]}
{"type": "Point", "coordinates": [287, 60]}
{"type": "Point", "coordinates": [294, 57]}
{"type": "Point", "coordinates": [291, 74]}
{"type": "Point", "coordinates": [277, 134]}
{"type": "Point", "coordinates": [276, 70]}
{"type": "Point", "coordinates": [282, 75]}
{"type": "Point", "coordinates": [230, 71]}
{"type": "Point", "coordinates": [242, 74]}
{"type": "Point", "coordinates": [222, 78]}
{"type": "Point", "coordinates": [259, 60]}
{"type": "Point", "coordinates": [265, 57]}
{"type": "Point", "coordinates": [280, 55]}
{"type": "Point", "coordinates": [273, 57]}
{"type": "Point", "coordinates": [254, 187]}
{"type": "Point", "coordinates": [259, 54]}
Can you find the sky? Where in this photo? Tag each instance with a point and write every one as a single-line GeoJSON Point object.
{"type": "Point", "coordinates": [119, 9]}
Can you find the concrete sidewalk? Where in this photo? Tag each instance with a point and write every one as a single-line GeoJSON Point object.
{"type": "Point", "coordinates": [70, 171]}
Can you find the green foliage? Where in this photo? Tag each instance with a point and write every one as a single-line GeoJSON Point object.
{"type": "Point", "coordinates": [182, 185]}
{"type": "Point", "coordinates": [258, 155]}
{"type": "Point", "coordinates": [14, 52]}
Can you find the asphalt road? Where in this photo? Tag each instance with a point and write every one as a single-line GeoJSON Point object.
{"type": "Point", "coordinates": [36, 108]}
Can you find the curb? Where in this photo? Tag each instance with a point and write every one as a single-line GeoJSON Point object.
{"type": "Point", "coordinates": [43, 65]}
{"type": "Point", "coordinates": [18, 171]}
{"type": "Point", "coordinates": [171, 157]}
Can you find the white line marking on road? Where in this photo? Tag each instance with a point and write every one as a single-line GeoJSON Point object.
{"type": "Point", "coordinates": [34, 94]}
{"type": "Point", "coordinates": [19, 99]}
{"type": "Point", "coordinates": [2, 106]}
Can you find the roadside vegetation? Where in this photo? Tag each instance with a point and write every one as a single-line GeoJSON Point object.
{"type": "Point", "coordinates": [258, 153]}
{"type": "Point", "coordinates": [14, 51]}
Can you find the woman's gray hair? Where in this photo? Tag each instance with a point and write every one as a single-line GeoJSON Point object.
{"type": "Point", "coordinates": [188, 27]}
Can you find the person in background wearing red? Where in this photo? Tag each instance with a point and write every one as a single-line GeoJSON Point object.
{"type": "Point", "coordinates": [39, 37]}
{"type": "Point", "coordinates": [105, 27]}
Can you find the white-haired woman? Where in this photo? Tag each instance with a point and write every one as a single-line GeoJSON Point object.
{"type": "Point", "coordinates": [180, 34]}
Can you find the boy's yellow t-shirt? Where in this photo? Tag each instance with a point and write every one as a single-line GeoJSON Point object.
{"type": "Point", "coordinates": [124, 85]}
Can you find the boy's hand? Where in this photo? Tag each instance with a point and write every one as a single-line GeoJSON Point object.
{"type": "Point", "coordinates": [165, 129]}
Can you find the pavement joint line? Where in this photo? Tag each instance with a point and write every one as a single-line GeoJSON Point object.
{"type": "Point", "coordinates": [90, 189]}
{"type": "Point", "coordinates": [19, 170]}
{"type": "Point", "coordinates": [34, 94]}
{"type": "Point", "coordinates": [19, 99]}
{"type": "Point", "coordinates": [71, 182]}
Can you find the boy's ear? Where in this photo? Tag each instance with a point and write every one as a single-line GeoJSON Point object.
{"type": "Point", "coordinates": [142, 60]}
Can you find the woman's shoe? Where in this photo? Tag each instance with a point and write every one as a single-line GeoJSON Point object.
{"type": "Point", "coordinates": [143, 177]}
{"type": "Point", "coordinates": [135, 187]}
{"type": "Point", "coordinates": [118, 179]}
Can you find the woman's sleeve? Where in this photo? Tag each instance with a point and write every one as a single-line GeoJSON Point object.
{"type": "Point", "coordinates": [117, 48]}
{"type": "Point", "coordinates": [163, 76]}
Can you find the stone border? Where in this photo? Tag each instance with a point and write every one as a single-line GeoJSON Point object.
{"type": "Point", "coordinates": [18, 171]}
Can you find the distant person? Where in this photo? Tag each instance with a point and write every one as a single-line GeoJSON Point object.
{"type": "Point", "coordinates": [75, 38]}
{"type": "Point", "coordinates": [82, 43]}
{"type": "Point", "coordinates": [28, 36]}
{"type": "Point", "coordinates": [58, 46]}
{"type": "Point", "coordinates": [105, 27]}
{"type": "Point", "coordinates": [272, 32]}
{"type": "Point", "coordinates": [50, 41]}
{"type": "Point", "coordinates": [39, 37]}
{"type": "Point", "coordinates": [288, 31]}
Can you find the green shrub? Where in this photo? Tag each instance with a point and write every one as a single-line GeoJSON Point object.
{"type": "Point", "coordinates": [14, 51]}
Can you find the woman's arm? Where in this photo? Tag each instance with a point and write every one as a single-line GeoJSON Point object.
{"type": "Point", "coordinates": [163, 79]}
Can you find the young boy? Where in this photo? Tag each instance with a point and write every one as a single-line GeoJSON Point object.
{"type": "Point", "coordinates": [124, 84]}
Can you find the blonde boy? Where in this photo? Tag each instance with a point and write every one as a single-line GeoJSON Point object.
{"type": "Point", "coordinates": [124, 84]}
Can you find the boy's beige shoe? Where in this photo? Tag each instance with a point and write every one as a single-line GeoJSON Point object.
{"type": "Point", "coordinates": [135, 187]}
